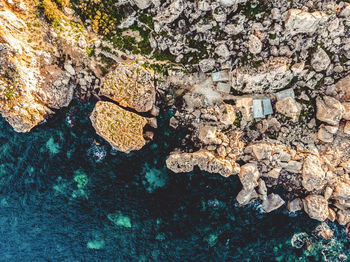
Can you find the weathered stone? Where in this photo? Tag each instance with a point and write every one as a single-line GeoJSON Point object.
{"type": "Point", "coordinates": [343, 217]}
{"type": "Point", "coordinates": [208, 135]}
{"type": "Point", "coordinates": [245, 196]}
{"type": "Point", "coordinates": [130, 85]}
{"type": "Point", "coordinates": [329, 110]}
{"type": "Point", "coordinates": [274, 173]}
{"type": "Point", "coordinates": [294, 167]}
{"type": "Point", "coordinates": [343, 87]}
{"type": "Point", "coordinates": [346, 106]}
{"type": "Point", "coordinates": [255, 45]}
{"type": "Point", "coordinates": [269, 76]}
{"type": "Point", "coordinates": [299, 21]}
{"type": "Point", "coordinates": [324, 135]}
{"type": "Point", "coordinates": [121, 128]}
{"type": "Point", "coordinates": [316, 207]}
{"type": "Point", "coordinates": [295, 205]}
{"type": "Point", "coordinates": [272, 202]}
{"type": "Point", "coordinates": [288, 107]}
{"type": "Point", "coordinates": [313, 174]}
{"type": "Point", "coordinates": [142, 4]}
{"type": "Point", "coordinates": [206, 161]}
{"type": "Point", "coordinates": [207, 65]}
{"type": "Point", "coordinates": [320, 60]}
{"type": "Point", "coordinates": [249, 175]}
{"type": "Point", "coordinates": [341, 195]}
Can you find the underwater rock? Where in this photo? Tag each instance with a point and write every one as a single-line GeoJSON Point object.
{"type": "Point", "coordinates": [121, 128]}
{"type": "Point", "coordinates": [245, 196]}
{"type": "Point", "coordinates": [130, 85]}
{"type": "Point", "coordinates": [316, 207]}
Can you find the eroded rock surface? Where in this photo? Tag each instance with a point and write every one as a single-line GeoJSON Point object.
{"type": "Point", "coordinates": [131, 85]}
{"type": "Point", "coordinates": [121, 128]}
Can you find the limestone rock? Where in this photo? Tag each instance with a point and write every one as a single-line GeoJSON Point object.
{"type": "Point", "coordinates": [272, 202]}
{"type": "Point", "coordinates": [142, 4]}
{"type": "Point", "coordinates": [316, 207]}
{"type": "Point", "coordinates": [121, 128]}
{"type": "Point", "coordinates": [269, 76]}
{"type": "Point", "coordinates": [329, 110]}
{"type": "Point", "coordinates": [249, 175]}
{"type": "Point", "coordinates": [208, 135]}
{"type": "Point", "coordinates": [343, 87]}
{"type": "Point", "coordinates": [206, 161]}
{"type": "Point", "coordinates": [295, 205]}
{"type": "Point", "coordinates": [299, 21]}
{"type": "Point", "coordinates": [288, 107]}
{"type": "Point", "coordinates": [343, 217]}
{"type": "Point", "coordinates": [245, 196]}
{"type": "Point", "coordinates": [255, 45]}
{"type": "Point", "coordinates": [341, 195]}
{"type": "Point", "coordinates": [31, 81]}
{"type": "Point", "coordinates": [313, 174]}
{"type": "Point", "coordinates": [320, 60]}
{"type": "Point", "coordinates": [130, 85]}
{"type": "Point", "coordinates": [346, 106]}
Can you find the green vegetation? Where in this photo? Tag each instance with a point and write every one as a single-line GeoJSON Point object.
{"type": "Point", "coordinates": [51, 11]}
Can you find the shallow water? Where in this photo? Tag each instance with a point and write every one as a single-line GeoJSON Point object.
{"type": "Point", "coordinates": [67, 196]}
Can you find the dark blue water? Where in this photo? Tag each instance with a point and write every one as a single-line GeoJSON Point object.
{"type": "Point", "coordinates": [67, 196]}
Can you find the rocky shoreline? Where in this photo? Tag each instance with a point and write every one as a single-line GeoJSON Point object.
{"type": "Point", "coordinates": [263, 88]}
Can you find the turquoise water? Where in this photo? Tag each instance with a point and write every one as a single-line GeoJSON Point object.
{"type": "Point", "coordinates": [67, 196]}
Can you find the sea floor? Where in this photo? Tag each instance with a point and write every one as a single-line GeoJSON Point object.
{"type": "Point", "coordinates": [66, 195]}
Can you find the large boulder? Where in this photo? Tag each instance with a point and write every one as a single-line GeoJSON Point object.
{"type": "Point", "coordinates": [316, 207]}
{"type": "Point", "coordinates": [329, 110]}
{"type": "Point", "coordinates": [272, 202]}
{"type": "Point", "coordinates": [130, 85]}
{"type": "Point", "coordinates": [249, 175]}
{"type": "Point", "coordinates": [205, 160]}
{"type": "Point", "coordinates": [313, 174]}
{"type": "Point", "coordinates": [121, 128]}
{"type": "Point", "coordinates": [269, 76]}
{"type": "Point", "coordinates": [341, 195]}
{"type": "Point", "coordinates": [299, 21]}
{"type": "Point", "coordinates": [343, 87]}
{"type": "Point", "coordinates": [288, 107]}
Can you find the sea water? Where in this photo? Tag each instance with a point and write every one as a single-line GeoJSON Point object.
{"type": "Point", "coordinates": [66, 195]}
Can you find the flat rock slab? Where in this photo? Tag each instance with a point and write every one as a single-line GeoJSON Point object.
{"type": "Point", "coordinates": [121, 128]}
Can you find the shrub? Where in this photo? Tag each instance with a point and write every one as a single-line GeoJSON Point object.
{"type": "Point", "coordinates": [51, 11]}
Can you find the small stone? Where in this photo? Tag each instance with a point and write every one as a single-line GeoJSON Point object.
{"type": "Point", "coordinates": [313, 174]}
{"type": "Point", "coordinates": [249, 176]}
{"type": "Point", "coordinates": [207, 65]}
{"type": "Point", "coordinates": [255, 45]}
{"type": "Point", "coordinates": [69, 68]}
{"type": "Point", "coordinates": [320, 60]}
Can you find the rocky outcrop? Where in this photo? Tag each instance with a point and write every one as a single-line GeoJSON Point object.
{"type": "Point", "coordinates": [121, 128]}
{"type": "Point", "coordinates": [270, 76]}
{"type": "Point", "coordinates": [28, 73]}
{"type": "Point", "coordinates": [206, 161]}
{"type": "Point", "coordinates": [316, 207]}
{"type": "Point", "coordinates": [130, 85]}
